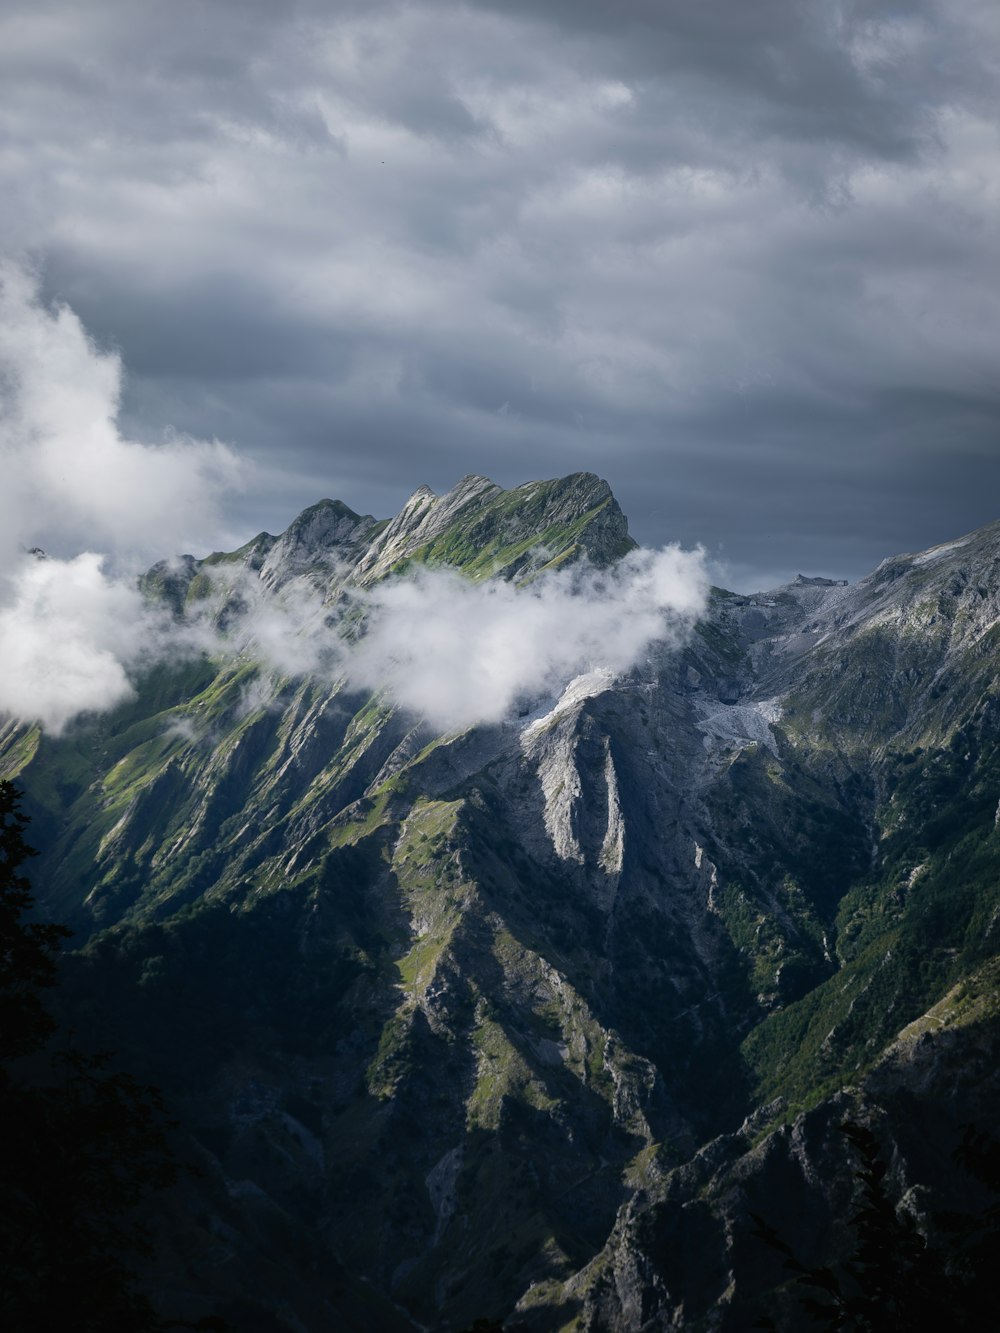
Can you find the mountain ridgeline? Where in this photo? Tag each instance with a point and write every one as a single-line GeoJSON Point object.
{"type": "Point", "coordinates": [523, 1021]}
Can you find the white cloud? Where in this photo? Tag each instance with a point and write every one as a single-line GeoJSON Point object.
{"type": "Point", "coordinates": [67, 640]}
{"type": "Point", "coordinates": [71, 632]}
{"type": "Point", "coordinates": [451, 651]}
{"type": "Point", "coordinates": [71, 479]}
{"type": "Point", "coordinates": [458, 653]}
{"type": "Point", "coordinates": [290, 630]}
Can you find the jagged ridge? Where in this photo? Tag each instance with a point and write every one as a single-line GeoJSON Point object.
{"type": "Point", "coordinates": [455, 1000]}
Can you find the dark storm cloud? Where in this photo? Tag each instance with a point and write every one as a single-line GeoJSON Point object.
{"type": "Point", "coordinates": [738, 258]}
{"type": "Point", "coordinates": [798, 70]}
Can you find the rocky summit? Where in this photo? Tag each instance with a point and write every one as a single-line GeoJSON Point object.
{"type": "Point", "coordinates": [522, 1022]}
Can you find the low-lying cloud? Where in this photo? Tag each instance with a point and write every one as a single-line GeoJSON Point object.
{"type": "Point", "coordinates": [457, 652]}
{"type": "Point", "coordinates": [73, 627]}
{"type": "Point", "coordinates": [448, 650]}
{"type": "Point", "coordinates": [71, 640]}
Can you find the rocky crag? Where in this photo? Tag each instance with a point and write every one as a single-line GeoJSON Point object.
{"type": "Point", "coordinates": [522, 1021]}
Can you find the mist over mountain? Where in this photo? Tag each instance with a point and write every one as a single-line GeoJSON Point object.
{"type": "Point", "coordinates": [75, 630]}
{"type": "Point", "coordinates": [506, 914]}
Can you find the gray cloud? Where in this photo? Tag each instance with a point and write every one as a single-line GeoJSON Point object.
{"type": "Point", "coordinates": [739, 259]}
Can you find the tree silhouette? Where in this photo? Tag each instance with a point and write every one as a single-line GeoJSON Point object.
{"type": "Point", "coordinates": [27, 949]}
{"type": "Point", "coordinates": [973, 1239]}
{"type": "Point", "coordinates": [82, 1145]}
{"type": "Point", "coordinates": [893, 1279]}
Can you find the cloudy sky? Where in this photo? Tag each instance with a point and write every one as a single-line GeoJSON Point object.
{"type": "Point", "coordinates": [740, 259]}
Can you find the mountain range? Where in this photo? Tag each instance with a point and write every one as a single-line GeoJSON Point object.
{"type": "Point", "coordinates": [523, 1020]}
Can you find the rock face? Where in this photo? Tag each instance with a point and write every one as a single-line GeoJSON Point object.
{"type": "Point", "coordinates": [519, 1022]}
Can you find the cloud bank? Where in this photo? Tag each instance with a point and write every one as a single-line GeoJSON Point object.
{"type": "Point", "coordinates": [457, 653]}
{"type": "Point", "coordinates": [72, 639]}
{"type": "Point", "coordinates": [452, 652]}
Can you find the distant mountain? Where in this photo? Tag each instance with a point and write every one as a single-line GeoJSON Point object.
{"type": "Point", "coordinates": [521, 1021]}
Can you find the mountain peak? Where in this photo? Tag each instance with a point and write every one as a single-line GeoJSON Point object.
{"type": "Point", "coordinates": [476, 527]}
{"type": "Point", "coordinates": [324, 528]}
{"type": "Point", "coordinates": [484, 530]}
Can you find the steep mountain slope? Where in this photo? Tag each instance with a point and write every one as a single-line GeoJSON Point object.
{"type": "Point", "coordinates": [436, 1009]}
